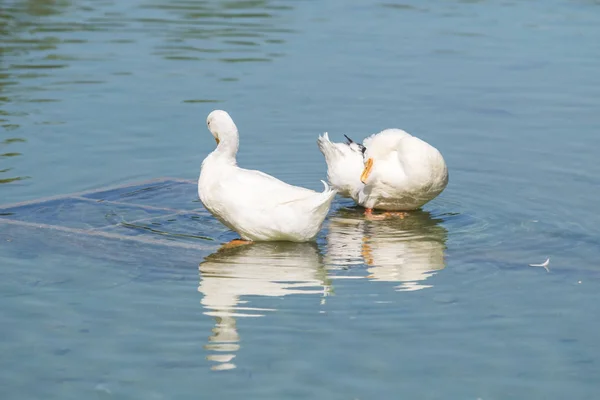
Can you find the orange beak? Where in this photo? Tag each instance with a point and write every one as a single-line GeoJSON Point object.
{"type": "Point", "coordinates": [367, 170]}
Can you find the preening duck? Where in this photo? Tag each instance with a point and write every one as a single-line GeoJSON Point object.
{"type": "Point", "coordinates": [259, 207]}
{"type": "Point", "coordinates": [391, 170]}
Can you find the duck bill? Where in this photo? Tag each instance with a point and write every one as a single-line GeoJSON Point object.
{"type": "Point", "coordinates": [367, 171]}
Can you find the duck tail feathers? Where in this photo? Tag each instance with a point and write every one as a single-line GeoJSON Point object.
{"type": "Point", "coordinates": [327, 189]}
{"type": "Point", "coordinates": [322, 202]}
{"type": "Point", "coordinates": [326, 196]}
{"type": "Point", "coordinates": [325, 145]}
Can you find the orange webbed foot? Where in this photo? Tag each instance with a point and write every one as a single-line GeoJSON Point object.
{"type": "Point", "coordinates": [372, 217]}
{"type": "Point", "coordinates": [236, 243]}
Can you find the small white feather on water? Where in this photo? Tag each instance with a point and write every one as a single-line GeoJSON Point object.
{"type": "Point", "coordinates": [544, 264]}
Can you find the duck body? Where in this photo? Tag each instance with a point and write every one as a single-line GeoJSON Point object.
{"type": "Point", "coordinates": [400, 172]}
{"type": "Point", "coordinates": [259, 207]}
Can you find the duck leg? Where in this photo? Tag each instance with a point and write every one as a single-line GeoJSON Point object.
{"type": "Point", "coordinates": [236, 243]}
{"type": "Point", "coordinates": [372, 217]}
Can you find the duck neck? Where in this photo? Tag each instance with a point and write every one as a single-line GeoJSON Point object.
{"type": "Point", "coordinates": [228, 147]}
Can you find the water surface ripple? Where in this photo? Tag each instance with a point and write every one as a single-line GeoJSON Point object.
{"type": "Point", "coordinates": [440, 304]}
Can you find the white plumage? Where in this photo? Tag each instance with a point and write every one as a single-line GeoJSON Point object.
{"type": "Point", "coordinates": [257, 206]}
{"type": "Point", "coordinates": [392, 170]}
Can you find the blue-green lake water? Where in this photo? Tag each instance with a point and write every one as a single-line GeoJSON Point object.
{"type": "Point", "coordinates": [440, 305]}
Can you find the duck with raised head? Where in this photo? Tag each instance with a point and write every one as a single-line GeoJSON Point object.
{"type": "Point", "coordinates": [259, 207]}
{"type": "Point", "coordinates": [391, 171]}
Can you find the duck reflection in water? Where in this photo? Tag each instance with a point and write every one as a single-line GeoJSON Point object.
{"type": "Point", "coordinates": [258, 269]}
{"type": "Point", "coordinates": [408, 250]}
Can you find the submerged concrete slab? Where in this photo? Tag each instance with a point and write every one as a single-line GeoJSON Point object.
{"type": "Point", "coordinates": [163, 211]}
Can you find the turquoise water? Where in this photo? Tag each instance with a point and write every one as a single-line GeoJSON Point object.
{"type": "Point", "coordinates": [442, 304]}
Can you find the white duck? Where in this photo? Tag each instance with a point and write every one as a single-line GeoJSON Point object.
{"type": "Point", "coordinates": [392, 170]}
{"type": "Point", "coordinates": [257, 206]}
